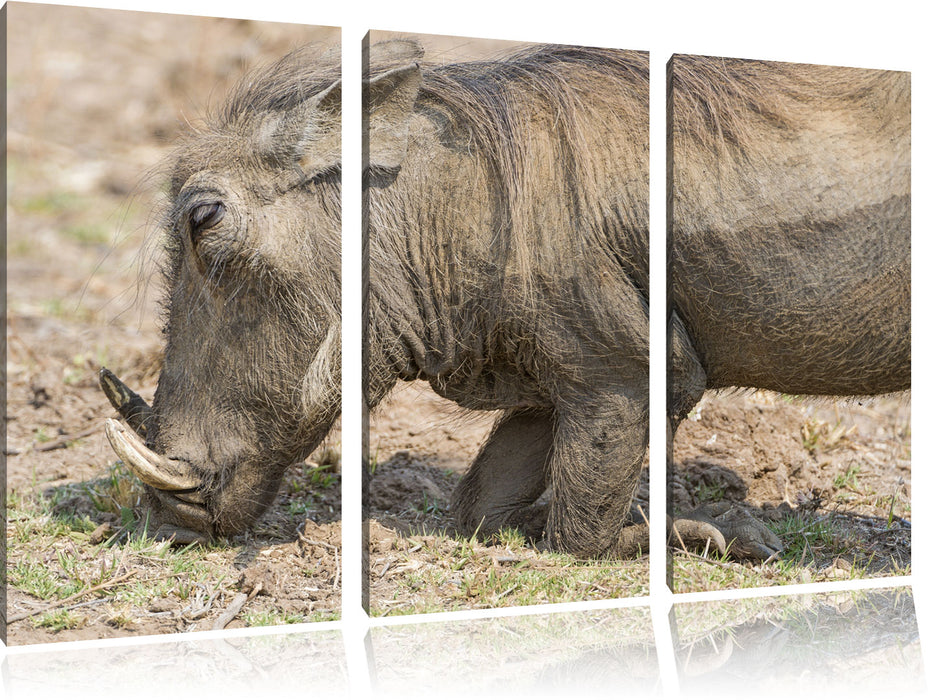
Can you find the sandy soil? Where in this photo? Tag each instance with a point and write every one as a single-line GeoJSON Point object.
{"type": "Point", "coordinates": [420, 446]}
{"type": "Point", "coordinates": [846, 463]}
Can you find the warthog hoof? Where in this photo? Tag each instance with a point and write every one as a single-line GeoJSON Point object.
{"type": "Point", "coordinates": [179, 535]}
{"type": "Point", "coordinates": [730, 529]}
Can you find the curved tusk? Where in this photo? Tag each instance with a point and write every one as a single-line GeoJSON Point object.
{"type": "Point", "coordinates": [131, 407]}
{"type": "Point", "coordinates": [153, 469]}
{"type": "Point", "coordinates": [699, 531]}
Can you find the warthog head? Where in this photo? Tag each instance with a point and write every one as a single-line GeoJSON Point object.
{"type": "Point", "coordinates": [251, 376]}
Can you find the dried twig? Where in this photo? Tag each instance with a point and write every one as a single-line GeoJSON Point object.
{"type": "Point", "coordinates": [86, 603]}
{"type": "Point", "coordinates": [64, 603]}
{"type": "Point", "coordinates": [682, 544]}
{"type": "Point", "coordinates": [231, 611]}
{"type": "Point", "coordinates": [64, 440]}
{"type": "Point", "coordinates": [503, 594]}
{"type": "Point", "coordinates": [725, 565]}
{"type": "Point", "coordinates": [504, 561]}
{"type": "Point", "coordinates": [193, 613]}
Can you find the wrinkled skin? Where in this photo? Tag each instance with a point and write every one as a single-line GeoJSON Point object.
{"type": "Point", "coordinates": [250, 380]}
{"type": "Point", "coordinates": [507, 221]}
{"type": "Point", "coordinates": [789, 236]}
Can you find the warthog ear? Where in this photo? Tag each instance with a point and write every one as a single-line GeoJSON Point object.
{"type": "Point", "coordinates": [319, 148]}
{"type": "Point", "coordinates": [307, 136]}
{"type": "Point", "coordinates": [392, 53]}
{"type": "Point", "coordinates": [389, 100]}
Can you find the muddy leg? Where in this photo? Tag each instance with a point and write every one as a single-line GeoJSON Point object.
{"type": "Point", "coordinates": [686, 379]}
{"type": "Point", "coordinates": [506, 477]}
{"type": "Point", "coordinates": [595, 467]}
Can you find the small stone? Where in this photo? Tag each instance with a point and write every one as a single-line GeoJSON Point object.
{"type": "Point", "coordinates": [160, 605]}
{"type": "Point", "coordinates": [101, 533]}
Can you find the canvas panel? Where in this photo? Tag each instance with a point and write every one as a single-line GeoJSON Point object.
{"type": "Point", "coordinates": [506, 223]}
{"type": "Point", "coordinates": [168, 258]}
{"type": "Point", "coordinates": [789, 278]}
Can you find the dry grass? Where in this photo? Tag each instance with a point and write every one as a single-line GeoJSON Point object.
{"type": "Point", "coordinates": [79, 556]}
{"type": "Point", "coordinates": [435, 573]}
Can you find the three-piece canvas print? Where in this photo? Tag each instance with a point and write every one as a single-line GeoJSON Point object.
{"type": "Point", "coordinates": [172, 453]}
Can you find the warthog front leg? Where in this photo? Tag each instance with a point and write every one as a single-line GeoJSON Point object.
{"type": "Point", "coordinates": [506, 477]}
{"type": "Point", "coordinates": [594, 468]}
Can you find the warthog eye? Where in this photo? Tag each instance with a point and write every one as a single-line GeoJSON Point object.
{"type": "Point", "coordinates": [204, 216]}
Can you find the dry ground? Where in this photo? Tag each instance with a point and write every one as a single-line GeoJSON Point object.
{"type": "Point", "coordinates": [831, 478]}
{"type": "Point", "coordinates": [420, 445]}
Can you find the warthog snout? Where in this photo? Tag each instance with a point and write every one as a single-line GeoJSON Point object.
{"type": "Point", "coordinates": [250, 235]}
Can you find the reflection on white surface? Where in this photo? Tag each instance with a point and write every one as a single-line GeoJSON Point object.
{"type": "Point", "coordinates": [595, 653]}
{"type": "Point", "coordinates": [274, 665]}
{"type": "Point", "coordinates": [844, 644]}
{"type": "Point", "coordinates": [838, 644]}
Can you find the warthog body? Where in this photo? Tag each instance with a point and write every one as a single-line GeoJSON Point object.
{"type": "Point", "coordinates": [507, 220]}
{"type": "Point", "coordinates": [251, 376]}
{"type": "Point", "coordinates": [789, 232]}
{"type": "Point", "coordinates": [507, 223]}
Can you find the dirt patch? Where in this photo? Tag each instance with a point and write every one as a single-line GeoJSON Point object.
{"type": "Point", "coordinates": [845, 465]}
{"type": "Point", "coordinates": [95, 99]}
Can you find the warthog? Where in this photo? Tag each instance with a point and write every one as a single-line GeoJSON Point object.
{"type": "Point", "coordinates": [789, 234]}
{"type": "Point", "coordinates": [251, 376]}
{"type": "Point", "coordinates": [507, 227]}
{"type": "Point", "coordinates": [507, 219]}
